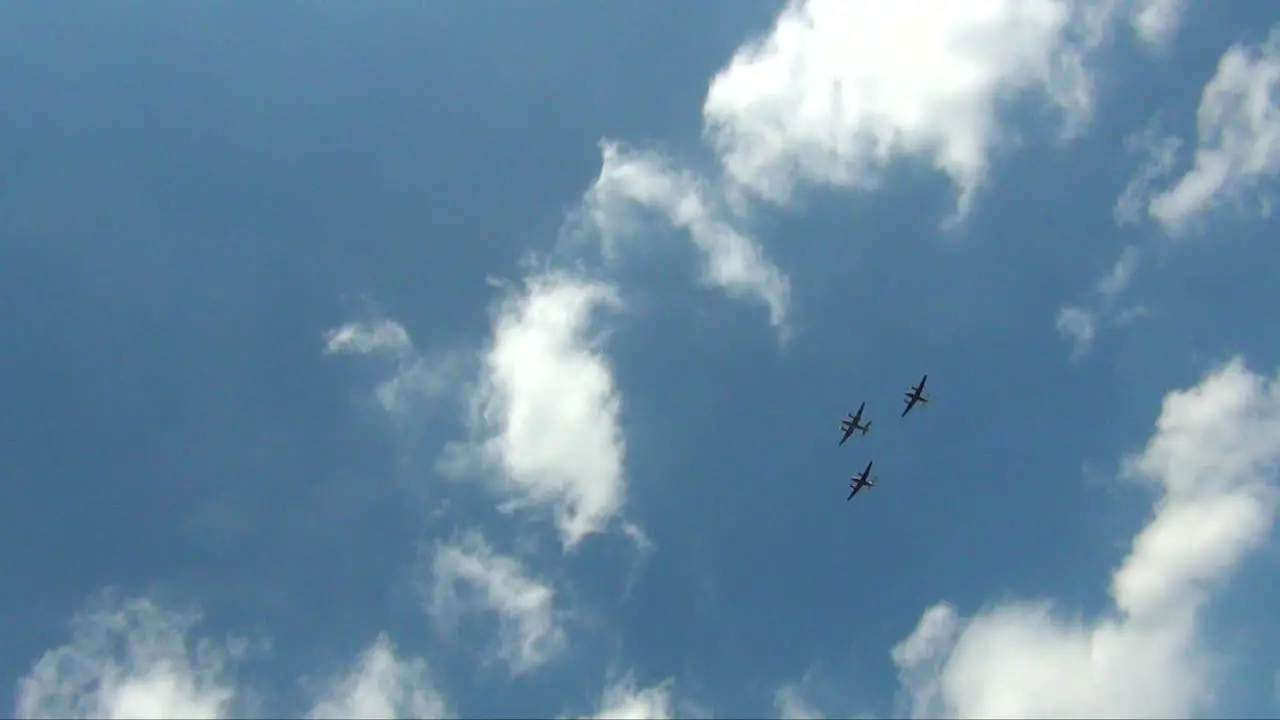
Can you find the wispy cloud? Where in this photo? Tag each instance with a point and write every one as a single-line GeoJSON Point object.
{"type": "Point", "coordinates": [1079, 323]}
{"type": "Point", "coordinates": [1155, 22]}
{"type": "Point", "coordinates": [414, 377]}
{"type": "Point", "coordinates": [1159, 152]}
{"type": "Point", "coordinates": [632, 180]}
{"type": "Point", "coordinates": [1214, 457]}
{"type": "Point", "coordinates": [791, 704]}
{"type": "Point", "coordinates": [467, 576]}
{"type": "Point", "coordinates": [1079, 326]}
{"type": "Point", "coordinates": [361, 338]}
{"type": "Point", "coordinates": [1238, 124]}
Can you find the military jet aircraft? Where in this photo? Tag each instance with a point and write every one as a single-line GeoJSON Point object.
{"type": "Point", "coordinates": [915, 395]}
{"type": "Point", "coordinates": [854, 422]}
{"type": "Point", "coordinates": [857, 482]}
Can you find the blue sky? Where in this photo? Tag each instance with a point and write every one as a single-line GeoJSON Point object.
{"type": "Point", "coordinates": [484, 359]}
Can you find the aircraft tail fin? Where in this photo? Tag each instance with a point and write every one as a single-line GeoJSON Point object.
{"type": "Point", "coordinates": [866, 427]}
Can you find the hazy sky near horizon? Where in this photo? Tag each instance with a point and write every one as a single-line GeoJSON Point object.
{"type": "Point", "coordinates": [487, 359]}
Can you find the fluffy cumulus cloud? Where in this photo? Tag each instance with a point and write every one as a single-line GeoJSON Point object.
{"type": "Point", "coordinates": [1238, 129]}
{"type": "Point", "coordinates": [837, 90]}
{"type": "Point", "coordinates": [546, 409]}
{"type": "Point", "coordinates": [467, 576]}
{"type": "Point", "coordinates": [1214, 459]}
{"type": "Point", "coordinates": [136, 659]}
{"type": "Point", "coordinates": [840, 87]}
{"type": "Point", "coordinates": [624, 700]}
{"type": "Point", "coordinates": [382, 685]}
{"type": "Point", "coordinates": [132, 659]}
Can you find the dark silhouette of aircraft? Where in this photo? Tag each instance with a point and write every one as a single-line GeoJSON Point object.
{"type": "Point", "coordinates": [916, 395]}
{"type": "Point", "coordinates": [854, 422]}
{"type": "Point", "coordinates": [857, 482]}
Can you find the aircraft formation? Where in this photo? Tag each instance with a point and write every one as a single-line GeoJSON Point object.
{"type": "Point", "coordinates": [854, 423]}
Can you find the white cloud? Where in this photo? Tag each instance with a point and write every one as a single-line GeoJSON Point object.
{"type": "Point", "coordinates": [791, 704]}
{"type": "Point", "coordinates": [547, 408]}
{"type": "Point", "coordinates": [416, 380]}
{"type": "Point", "coordinates": [1155, 22]}
{"type": "Point", "coordinates": [361, 338]}
{"type": "Point", "coordinates": [131, 660]}
{"type": "Point", "coordinates": [1214, 457]}
{"type": "Point", "coordinates": [415, 377]}
{"type": "Point", "coordinates": [1117, 281]}
{"type": "Point", "coordinates": [623, 700]}
{"type": "Point", "coordinates": [639, 179]}
{"type": "Point", "coordinates": [1079, 324]}
{"type": "Point", "coordinates": [839, 87]}
{"type": "Point", "coordinates": [1159, 151]}
{"type": "Point", "coordinates": [530, 631]}
{"type": "Point", "coordinates": [134, 659]}
{"type": "Point", "coordinates": [1238, 125]}
{"type": "Point", "coordinates": [381, 685]}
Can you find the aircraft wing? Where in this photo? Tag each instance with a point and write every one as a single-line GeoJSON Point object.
{"type": "Point", "coordinates": [848, 430]}
{"type": "Point", "coordinates": [911, 402]}
{"type": "Point", "coordinates": [855, 490]}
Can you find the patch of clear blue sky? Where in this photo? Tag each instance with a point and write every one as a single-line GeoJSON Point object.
{"type": "Point", "coordinates": [191, 194]}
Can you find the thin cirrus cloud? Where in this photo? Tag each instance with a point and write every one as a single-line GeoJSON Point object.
{"type": "Point", "coordinates": [467, 576]}
{"type": "Point", "coordinates": [1237, 151]}
{"type": "Point", "coordinates": [1079, 323]}
{"type": "Point", "coordinates": [413, 376]}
